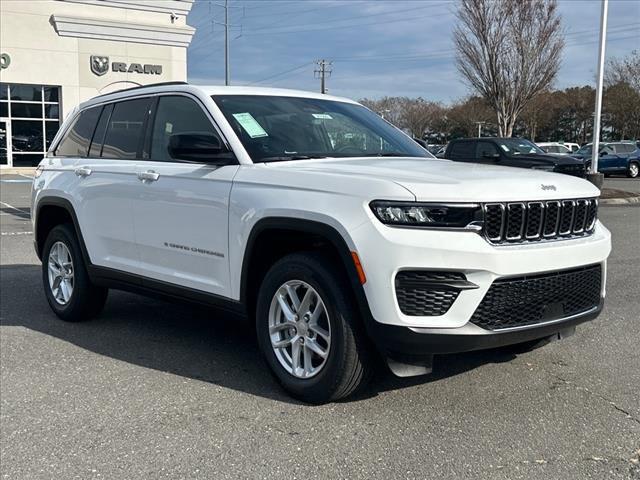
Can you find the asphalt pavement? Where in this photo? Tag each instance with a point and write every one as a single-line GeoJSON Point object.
{"type": "Point", "coordinates": [152, 389]}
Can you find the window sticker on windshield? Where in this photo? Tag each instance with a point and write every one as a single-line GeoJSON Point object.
{"type": "Point", "coordinates": [168, 127]}
{"type": "Point", "coordinates": [324, 116]}
{"type": "Point", "coordinates": [250, 125]}
{"type": "Point", "coordinates": [505, 148]}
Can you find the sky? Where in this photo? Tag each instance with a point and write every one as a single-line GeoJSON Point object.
{"type": "Point", "coordinates": [377, 48]}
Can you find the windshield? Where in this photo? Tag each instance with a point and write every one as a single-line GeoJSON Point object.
{"type": "Point", "coordinates": [290, 128]}
{"type": "Point", "coordinates": [518, 146]}
{"type": "Point", "coordinates": [586, 150]}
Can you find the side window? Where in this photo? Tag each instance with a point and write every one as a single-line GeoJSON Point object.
{"type": "Point", "coordinates": [125, 129]}
{"type": "Point", "coordinates": [462, 150]}
{"type": "Point", "coordinates": [486, 149]}
{"type": "Point", "coordinates": [625, 148]}
{"type": "Point", "coordinates": [75, 142]}
{"type": "Point", "coordinates": [174, 115]}
{"type": "Point", "coordinates": [101, 129]}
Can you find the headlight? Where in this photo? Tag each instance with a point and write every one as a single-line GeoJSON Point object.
{"type": "Point", "coordinates": [437, 215]}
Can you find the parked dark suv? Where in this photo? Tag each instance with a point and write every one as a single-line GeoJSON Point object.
{"type": "Point", "coordinates": [513, 152]}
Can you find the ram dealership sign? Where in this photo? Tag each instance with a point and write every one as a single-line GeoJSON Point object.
{"type": "Point", "coordinates": [100, 65]}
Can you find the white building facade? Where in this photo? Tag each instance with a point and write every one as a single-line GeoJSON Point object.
{"type": "Point", "coordinates": [55, 54]}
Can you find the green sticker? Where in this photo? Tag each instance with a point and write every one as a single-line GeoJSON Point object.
{"type": "Point", "coordinates": [250, 125]}
{"type": "Point", "coordinates": [324, 116]}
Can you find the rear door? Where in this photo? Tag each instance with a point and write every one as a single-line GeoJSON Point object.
{"type": "Point", "coordinates": [181, 207]}
{"type": "Point", "coordinates": [105, 179]}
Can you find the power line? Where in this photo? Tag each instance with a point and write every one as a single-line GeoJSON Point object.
{"type": "Point", "coordinates": [335, 27]}
{"type": "Point", "coordinates": [281, 73]}
{"type": "Point", "coordinates": [358, 17]}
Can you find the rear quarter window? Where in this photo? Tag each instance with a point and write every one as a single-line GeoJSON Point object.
{"type": "Point", "coordinates": [76, 140]}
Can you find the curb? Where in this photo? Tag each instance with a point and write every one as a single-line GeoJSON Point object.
{"type": "Point", "coordinates": [620, 201]}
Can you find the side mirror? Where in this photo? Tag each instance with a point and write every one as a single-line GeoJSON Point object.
{"type": "Point", "coordinates": [194, 147]}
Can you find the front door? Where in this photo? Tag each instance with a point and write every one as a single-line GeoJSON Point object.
{"type": "Point", "coordinates": [5, 143]}
{"type": "Point", "coordinates": [181, 211]}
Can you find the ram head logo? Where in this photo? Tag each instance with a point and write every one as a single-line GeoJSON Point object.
{"type": "Point", "coordinates": [99, 64]}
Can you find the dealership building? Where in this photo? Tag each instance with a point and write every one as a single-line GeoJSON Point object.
{"type": "Point", "coordinates": [55, 54]}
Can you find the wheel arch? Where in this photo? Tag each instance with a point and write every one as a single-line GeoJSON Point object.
{"type": "Point", "coordinates": [52, 211]}
{"type": "Point", "coordinates": [255, 265]}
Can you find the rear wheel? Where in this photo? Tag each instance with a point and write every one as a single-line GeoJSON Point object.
{"type": "Point", "coordinates": [70, 293]}
{"type": "Point", "coordinates": [309, 331]}
{"type": "Point", "coordinates": [634, 170]}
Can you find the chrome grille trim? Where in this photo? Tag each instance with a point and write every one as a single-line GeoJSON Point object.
{"type": "Point", "coordinates": [534, 221]}
{"type": "Point", "coordinates": [529, 222]}
{"type": "Point", "coordinates": [556, 204]}
{"type": "Point", "coordinates": [518, 223]}
{"type": "Point", "coordinates": [568, 210]}
{"type": "Point", "coordinates": [486, 209]}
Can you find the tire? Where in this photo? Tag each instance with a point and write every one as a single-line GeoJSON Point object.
{"type": "Point", "coordinates": [83, 300]}
{"type": "Point", "coordinates": [634, 170]}
{"type": "Point", "coordinates": [346, 368]}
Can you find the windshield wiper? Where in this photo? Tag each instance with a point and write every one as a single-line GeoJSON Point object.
{"type": "Point", "coordinates": [285, 158]}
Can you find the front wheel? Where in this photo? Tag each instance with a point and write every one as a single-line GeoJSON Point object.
{"type": "Point", "coordinates": [309, 331]}
{"type": "Point", "coordinates": [634, 170]}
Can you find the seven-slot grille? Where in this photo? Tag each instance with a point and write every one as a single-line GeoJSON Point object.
{"type": "Point", "coordinates": [515, 222]}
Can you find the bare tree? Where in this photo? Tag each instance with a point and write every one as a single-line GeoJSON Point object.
{"type": "Point", "coordinates": [624, 70]}
{"type": "Point", "coordinates": [419, 115]}
{"type": "Point", "coordinates": [509, 52]}
{"type": "Point", "coordinates": [390, 108]}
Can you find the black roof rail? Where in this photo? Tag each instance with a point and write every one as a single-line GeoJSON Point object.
{"type": "Point", "coordinates": [159, 84]}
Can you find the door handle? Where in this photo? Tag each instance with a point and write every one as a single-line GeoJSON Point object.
{"type": "Point", "coordinates": [83, 172]}
{"type": "Point", "coordinates": [148, 176]}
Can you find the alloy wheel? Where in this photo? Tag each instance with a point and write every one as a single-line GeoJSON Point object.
{"type": "Point", "coordinates": [60, 272]}
{"type": "Point", "coordinates": [299, 329]}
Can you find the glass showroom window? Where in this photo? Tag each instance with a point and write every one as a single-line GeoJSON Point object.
{"type": "Point", "coordinates": [30, 118]}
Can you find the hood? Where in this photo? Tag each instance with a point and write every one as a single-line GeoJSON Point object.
{"type": "Point", "coordinates": [430, 179]}
{"type": "Point", "coordinates": [548, 159]}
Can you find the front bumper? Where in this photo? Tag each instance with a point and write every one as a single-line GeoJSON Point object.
{"type": "Point", "coordinates": [384, 251]}
{"type": "Point", "coordinates": [403, 342]}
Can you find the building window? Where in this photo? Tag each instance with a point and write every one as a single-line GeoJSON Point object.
{"type": "Point", "coordinates": [31, 119]}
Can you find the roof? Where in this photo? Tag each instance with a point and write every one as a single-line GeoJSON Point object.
{"type": "Point", "coordinates": [278, 92]}
{"type": "Point", "coordinates": [209, 90]}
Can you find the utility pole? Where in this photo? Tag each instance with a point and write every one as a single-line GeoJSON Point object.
{"type": "Point", "coordinates": [227, 25]}
{"type": "Point", "coordinates": [595, 146]}
{"type": "Point", "coordinates": [480, 128]}
{"type": "Point", "coordinates": [322, 72]}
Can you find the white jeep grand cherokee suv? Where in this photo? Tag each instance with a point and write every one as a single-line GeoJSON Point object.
{"type": "Point", "coordinates": [338, 233]}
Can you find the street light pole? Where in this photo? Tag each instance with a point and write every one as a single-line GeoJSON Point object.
{"type": "Point", "coordinates": [596, 121]}
{"type": "Point", "coordinates": [227, 74]}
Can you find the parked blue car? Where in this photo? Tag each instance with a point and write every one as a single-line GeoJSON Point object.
{"type": "Point", "coordinates": [615, 157]}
